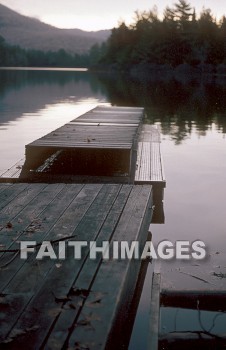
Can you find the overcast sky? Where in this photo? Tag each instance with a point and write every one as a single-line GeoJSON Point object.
{"type": "Point", "coordinates": [97, 14]}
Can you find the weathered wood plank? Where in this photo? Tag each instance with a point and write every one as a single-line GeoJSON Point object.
{"type": "Point", "coordinates": [4, 186]}
{"type": "Point", "coordinates": [18, 203]}
{"type": "Point", "coordinates": [64, 227]}
{"type": "Point", "coordinates": [211, 300]}
{"type": "Point", "coordinates": [113, 114]}
{"type": "Point", "coordinates": [149, 133]}
{"type": "Point", "coordinates": [14, 171]}
{"type": "Point", "coordinates": [154, 313]}
{"type": "Point", "coordinates": [75, 122]}
{"type": "Point", "coordinates": [66, 320]}
{"type": "Point", "coordinates": [38, 271]}
{"type": "Point", "coordinates": [10, 193]}
{"type": "Point", "coordinates": [10, 311]}
{"type": "Point", "coordinates": [38, 229]}
{"type": "Point", "coordinates": [114, 282]}
{"type": "Point", "coordinates": [93, 135]}
{"type": "Point", "coordinates": [156, 166]}
{"type": "Point", "coordinates": [149, 164]}
{"type": "Point", "coordinates": [47, 164]}
{"type": "Point", "coordinates": [27, 216]}
{"type": "Point", "coordinates": [55, 284]}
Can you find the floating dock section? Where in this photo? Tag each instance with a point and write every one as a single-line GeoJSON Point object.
{"type": "Point", "coordinates": [102, 142]}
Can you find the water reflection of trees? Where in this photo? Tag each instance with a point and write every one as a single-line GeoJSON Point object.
{"type": "Point", "coordinates": [16, 79]}
{"type": "Point", "coordinates": [177, 106]}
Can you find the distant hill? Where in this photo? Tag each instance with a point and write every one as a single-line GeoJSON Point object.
{"type": "Point", "coordinates": [30, 33]}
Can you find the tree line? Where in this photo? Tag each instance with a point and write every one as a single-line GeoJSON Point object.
{"type": "Point", "coordinates": [15, 56]}
{"type": "Point", "coordinates": [180, 37]}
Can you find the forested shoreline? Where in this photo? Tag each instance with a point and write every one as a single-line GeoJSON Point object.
{"type": "Point", "coordinates": [15, 56]}
{"type": "Point", "coordinates": [180, 40]}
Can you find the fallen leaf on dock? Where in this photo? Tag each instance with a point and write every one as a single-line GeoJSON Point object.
{"type": "Point", "coordinates": [219, 275]}
{"type": "Point", "coordinates": [62, 299]}
{"type": "Point", "coordinates": [79, 292]}
{"type": "Point", "coordinates": [58, 265]}
{"type": "Point", "coordinates": [80, 346]}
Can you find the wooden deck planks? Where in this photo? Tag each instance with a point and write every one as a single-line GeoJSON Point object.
{"type": "Point", "coordinates": [149, 166]}
{"type": "Point", "coordinates": [60, 334]}
{"type": "Point", "coordinates": [34, 290]}
{"type": "Point", "coordinates": [102, 127]}
{"type": "Point", "coordinates": [90, 136]}
{"type": "Point", "coordinates": [44, 219]}
{"type": "Point", "coordinates": [122, 115]}
{"type": "Point", "coordinates": [149, 133]}
{"type": "Point", "coordinates": [112, 285]}
{"type": "Point", "coordinates": [14, 171]}
{"type": "Point", "coordinates": [10, 193]}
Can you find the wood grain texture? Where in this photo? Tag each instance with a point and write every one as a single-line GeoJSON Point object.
{"type": "Point", "coordinates": [43, 303]}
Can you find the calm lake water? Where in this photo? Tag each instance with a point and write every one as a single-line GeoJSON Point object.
{"type": "Point", "coordinates": [192, 117]}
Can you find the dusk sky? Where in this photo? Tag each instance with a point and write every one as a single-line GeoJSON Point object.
{"type": "Point", "coordinates": [95, 15]}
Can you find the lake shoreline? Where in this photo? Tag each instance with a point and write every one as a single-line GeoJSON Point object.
{"type": "Point", "coordinates": [147, 71]}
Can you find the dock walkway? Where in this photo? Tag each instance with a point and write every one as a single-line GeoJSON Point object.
{"type": "Point", "coordinates": [79, 304]}
{"type": "Point", "coordinates": [149, 165]}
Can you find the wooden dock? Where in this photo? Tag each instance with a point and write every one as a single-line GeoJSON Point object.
{"type": "Point", "coordinates": [102, 142]}
{"type": "Point", "coordinates": [106, 144]}
{"type": "Point", "coordinates": [94, 179]}
{"type": "Point", "coordinates": [76, 304]}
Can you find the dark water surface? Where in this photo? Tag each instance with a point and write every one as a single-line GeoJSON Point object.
{"type": "Point", "coordinates": [191, 115]}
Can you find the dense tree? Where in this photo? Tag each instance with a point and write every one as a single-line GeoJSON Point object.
{"type": "Point", "coordinates": [183, 11]}
{"type": "Point", "coordinates": [180, 37]}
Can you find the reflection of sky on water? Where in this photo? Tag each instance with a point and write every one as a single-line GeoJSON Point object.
{"type": "Point", "coordinates": [33, 103]}
{"type": "Point", "coordinates": [194, 207]}
{"type": "Point", "coordinates": [14, 135]}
